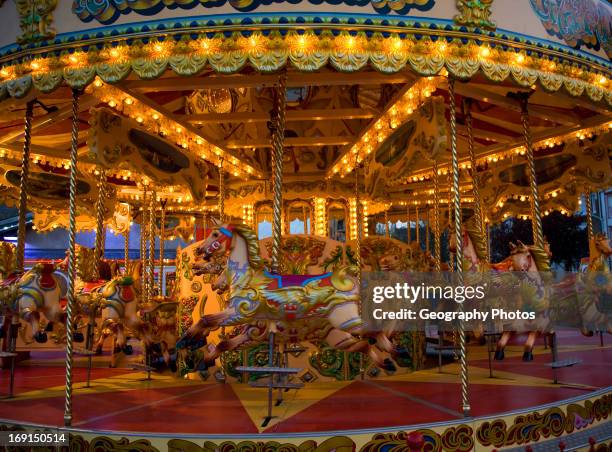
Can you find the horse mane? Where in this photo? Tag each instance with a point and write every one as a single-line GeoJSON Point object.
{"type": "Point", "coordinates": [255, 260]}
{"type": "Point", "coordinates": [478, 240]}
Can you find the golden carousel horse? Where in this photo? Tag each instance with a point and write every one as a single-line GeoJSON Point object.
{"type": "Point", "coordinates": [532, 292]}
{"type": "Point", "coordinates": [288, 302]}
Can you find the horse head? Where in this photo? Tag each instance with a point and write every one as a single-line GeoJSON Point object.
{"type": "Point", "coordinates": [219, 241]}
{"type": "Point", "coordinates": [601, 245]}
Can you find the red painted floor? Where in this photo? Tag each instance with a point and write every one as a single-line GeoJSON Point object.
{"type": "Point", "coordinates": [176, 406]}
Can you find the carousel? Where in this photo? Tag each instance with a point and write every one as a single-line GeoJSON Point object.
{"type": "Point", "coordinates": [256, 160]}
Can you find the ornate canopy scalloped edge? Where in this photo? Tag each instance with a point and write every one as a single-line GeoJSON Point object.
{"type": "Point", "coordinates": [307, 44]}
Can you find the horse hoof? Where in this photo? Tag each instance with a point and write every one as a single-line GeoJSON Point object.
{"type": "Point", "coordinates": [49, 326]}
{"type": "Point", "coordinates": [528, 356]}
{"type": "Point", "coordinates": [586, 332]}
{"type": "Point", "coordinates": [78, 337]}
{"type": "Point", "coordinates": [40, 337]}
{"type": "Point", "coordinates": [499, 355]}
{"type": "Point", "coordinates": [388, 365]}
{"type": "Point", "coordinates": [128, 350]}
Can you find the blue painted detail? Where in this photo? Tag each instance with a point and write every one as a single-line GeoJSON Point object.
{"type": "Point", "coordinates": [226, 232]}
{"type": "Point", "coordinates": [316, 278]}
{"type": "Point", "coordinates": [278, 278]}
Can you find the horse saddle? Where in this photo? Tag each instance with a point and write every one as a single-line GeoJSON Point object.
{"type": "Point", "coordinates": [92, 286]}
{"type": "Point", "coordinates": [281, 281]}
{"type": "Point", "coordinates": [46, 280]}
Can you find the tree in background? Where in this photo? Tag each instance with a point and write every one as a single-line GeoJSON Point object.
{"type": "Point", "coordinates": [567, 237]}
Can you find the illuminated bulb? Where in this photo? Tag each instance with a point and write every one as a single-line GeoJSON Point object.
{"type": "Point", "coordinates": [129, 101]}
{"type": "Point", "coordinates": [554, 194]}
{"type": "Point", "coordinates": [158, 48]}
{"type": "Point", "coordinates": [139, 119]}
{"type": "Point", "coordinates": [98, 83]}
{"type": "Point", "coordinates": [520, 58]}
{"type": "Point", "coordinates": [73, 59]}
{"type": "Point", "coordinates": [484, 52]}
{"type": "Point", "coordinates": [155, 116]}
{"type": "Point", "coordinates": [603, 80]}
{"type": "Point", "coordinates": [114, 53]}
{"type": "Point", "coordinates": [4, 73]}
{"type": "Point", "coordinates": [442, 47]}
{"type": "Point", "coordinates": [112, 103]}
{"type": "Point", "coordinates": [35, 65]}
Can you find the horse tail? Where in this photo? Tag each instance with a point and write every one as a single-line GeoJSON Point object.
{"type": "Point", "coordinates": [345, 278]}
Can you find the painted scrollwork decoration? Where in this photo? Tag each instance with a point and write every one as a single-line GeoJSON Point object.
{"type": "Point", "coordinates": [475, 13]}
{"type": "Point", "coordinates": [108, 11]}
{"type": "Point", "coordinates": [35, 20]}
{"type": "Point", "coordinates": [589, 26]}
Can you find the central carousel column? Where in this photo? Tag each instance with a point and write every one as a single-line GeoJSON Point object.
{"type": "Point", "coordinates": [71, 305]}
{"type": "Point", "coordinates": [459, 244]}
{"type": "Point", "coordinates": [162, 239]}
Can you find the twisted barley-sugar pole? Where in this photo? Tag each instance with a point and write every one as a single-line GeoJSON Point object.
{"type": "Point", "coordinates": [100, 212]}
{"type": "Point", "coordinates": [459, 245]}
{"type": "Point", "coordinates": [277, 128]}
{"type": "Point", "coordinates": [436, 215]}
{"type": "Point", "coordinates": [143, 244]}
{"type": "Point", "coordinates": [467, 111]}
{"type": "Point", "coordinates": [408, 227]}
{"type": "Point", "coordinates": [70, 306]}
{"type": "Point", "coordinates": [162, 240]}
{"type": "Point", "coordinates": [589, 214]}
{"type": "Point", "coordinates": [151, 236]}
{"type": "Point", "coordinates": [358, 238]}
{"type": "Point", "coordinates": [221, 200]}
{"type": "Point", "coordinates": [417, 221]}
{"type": "Point", "coordinates": [23, 186]}
{"type": "Point", "coordinates": [536, 215]}
{"type": "Point", "coordinates": [126, 243]}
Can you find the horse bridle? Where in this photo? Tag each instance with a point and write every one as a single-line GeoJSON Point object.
{"type": "Point", "coordinates": [227, 235]}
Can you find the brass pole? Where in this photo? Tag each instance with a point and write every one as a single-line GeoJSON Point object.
{"type": "Point", "coordinates": [387, 234]}
{"type": "Point", "coordinates": [143, 245]}
{"type": "Point", "coordinates": [162, 240]}
{"type": "Point", "coordinates": [416, 222]}
{"type": "Point", "coordinates": [151, 237]}
{"type": "Point", "coordinates": [408, 226]}
{"type": "Point", "coordinates": [427, 232]}
{"type": "Point", "coordinates": [467, 108]}
{"type": "Point", "coordinates": [100, 229]}
{"type": "Point", "coordinates": [23, 187]}
{"type": "Point", "coordinates": [536, 215]}
{"type": "Point", "coordinates": [436, 212]}
{"type": "Point", "coordinates": [589, 214]}
{"type": "Point", "coordinates": [459, 245]}
{"type": "Point", "coordinates": [126, 243]}
{"type": "Point", "coordinates": [71, 305]}
{"type": "Point", "coordinates": [358, 253]}
{"type": "Point", "coordinates": [221, 200]}
{"type": "Point", "coordinates": [277, 128]}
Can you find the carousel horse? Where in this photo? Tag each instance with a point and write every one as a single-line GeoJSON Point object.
{"type": "Point", "coordinates": [38, 291]}
{"type": "Point", "coordinates": [161, 314]}
{"type": "Point", "coordinates": [120, 310]}
{"type": "Point", "coordinates": [591, 285]}
{"type": "Point", "coordinates": [531, 261]}
{"type": "Point", "coordinates": [257, 295]}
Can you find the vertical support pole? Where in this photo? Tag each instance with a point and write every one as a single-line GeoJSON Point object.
{"type": "Point", "coordinates": [358, 252]}
{"type": "Point", "coordinates": [126, 243]}
{"type": "Point", "coordinates": [151, 237]}
{"type": "Point", "coordinates": [221, 200]}
{"type": "Point", "coordinates": [162, 240]}
{"type": "Point", "coordinates": [71, 305]}
{"type": "Point", "coordinates": [23, 186]}
{"type": "Point", "coordinates": [408, 225]}
{"type": "Point", "coordinates": [467, 111]}
{"type": "Point", "coordinates": [143, 245]}
{"type": "Point", "coordinates": [417, 222]}
{"type": "Point", "coordinates": [536, 215]}
{"type": "Point", "coordinates": [589, 214]}
{"type": "Point", "coordinates": [459, 248]}
{"type": "Point", "coordinates": [436, 212]}
{"type": "Point", "coordinates": [427, 232]}
{"type": "Point", "coordinates": [100, 229]}
{"type": "Point", "coordinates": [277, 128]}
{"type": "Point", "coordinates": [387, 232]}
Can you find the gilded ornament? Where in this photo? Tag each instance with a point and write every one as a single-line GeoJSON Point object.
{"type": "Point", "coordinates": [35, 20]}
{"type": "Point", "coordinates": [475, 13]}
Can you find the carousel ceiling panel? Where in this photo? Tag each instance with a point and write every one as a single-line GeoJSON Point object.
{"type": "Point", "coordinates": [423, 137]}
{"type": "Point", "coordinates": [116, 142]}
{"type": "Point", "coordinates": [568, 170]}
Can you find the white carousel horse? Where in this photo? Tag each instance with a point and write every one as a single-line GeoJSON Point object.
{"type": "Point", "coordinates": [531, 260]}
{"type": "Point", "coordinates": [38, 291]}
{"type": "Point", "coordinates": [256, 295]}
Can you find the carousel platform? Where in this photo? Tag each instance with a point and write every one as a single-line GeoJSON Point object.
{"type": "Point", "coordinates": [520, 404]}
